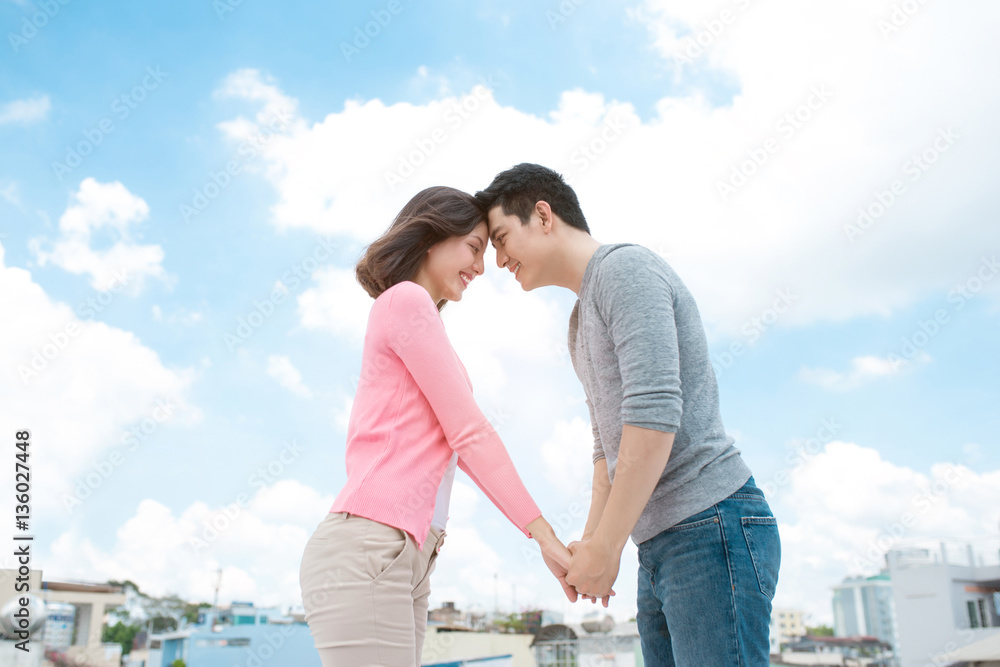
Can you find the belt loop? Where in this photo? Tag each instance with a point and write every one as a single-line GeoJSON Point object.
{"type": "Point", "coordinates": [440, 542]}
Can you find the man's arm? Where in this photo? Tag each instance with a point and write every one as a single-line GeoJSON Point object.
{"type": "Point", "coordinates": [642, 457]}
{"type": "Point", "coordinates": [598, 497]}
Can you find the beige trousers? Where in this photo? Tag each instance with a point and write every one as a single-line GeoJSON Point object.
{"type": "Point", "coordinates": [364, 588]}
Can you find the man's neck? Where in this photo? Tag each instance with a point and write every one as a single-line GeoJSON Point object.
{"type": "Point", "coordinates": [574, 260]}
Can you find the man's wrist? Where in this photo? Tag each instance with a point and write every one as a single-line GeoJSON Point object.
{"type": "Point", "coordinates": [609, 540]}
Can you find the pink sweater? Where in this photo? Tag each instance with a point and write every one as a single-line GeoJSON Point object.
{"type": "Point", "coordinates": [413, 407]}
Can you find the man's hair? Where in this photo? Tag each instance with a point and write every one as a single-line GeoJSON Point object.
{"type": "Point", "coordinates": [518, 189]}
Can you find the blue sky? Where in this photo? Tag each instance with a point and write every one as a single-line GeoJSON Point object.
{"type": "Point", "coordinates": [198, 86]}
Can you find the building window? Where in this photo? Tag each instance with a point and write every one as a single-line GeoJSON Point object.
{"type": "Point", "coordinates": [973, 615]}
{"type": "Point", "coordinates": [984, 616]}
{"type": "Point", "coordinates": [556, 654]}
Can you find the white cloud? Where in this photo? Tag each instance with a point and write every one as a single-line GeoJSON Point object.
{"type": "Point", "coordinates": [182, 315]}
{"type": "Point", "coordinates": [498, 331]}
{"type": "Point", "coordinates": [249, 84]}
{"type": "Point", "coordinates": [863, 370]}
{"type": "Point", "coordinates": [342, 412]}
{"type": "Point", "coordinates": [656, 181]}
{"type": "Point", "coordinates": [25, 111]}
{"type": "Point", "coordinates": [100, 207]}
{"type": "Point", "coordinates": [337, 304]}
{"type": "Point", "coordinates": [79, 385]}
{"type": "Point", "coordinates": [568, 455]}
{"type": "Point", "coordinates": [10, 194]}
{"type": "Point", "coordinates": [288, 376]}
{"type": "Point", "coordinates": [168, 553]}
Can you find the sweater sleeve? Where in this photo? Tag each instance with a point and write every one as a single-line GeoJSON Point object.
{"type": "Point", "coordinates": [636, 301]}
{"type": "Point", "coordinates": [598, 445]}
{"type": "Point", "coordinates": [418, 337]}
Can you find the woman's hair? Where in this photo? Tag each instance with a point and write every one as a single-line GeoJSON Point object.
{"type": "Point", "coordinates": [431, 216]}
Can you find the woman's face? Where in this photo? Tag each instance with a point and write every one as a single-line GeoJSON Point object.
{"type": "Point", "coordinates": [452, 264]}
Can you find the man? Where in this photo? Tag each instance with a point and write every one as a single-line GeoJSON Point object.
{"type": "Point", "coordinates": [665, 472]}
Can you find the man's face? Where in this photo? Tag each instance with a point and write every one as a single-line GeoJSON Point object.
{"type": "Point", "coordinates": [517, 246]}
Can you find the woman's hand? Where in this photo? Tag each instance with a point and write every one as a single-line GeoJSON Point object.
{"type": "Point", "coordinates": [554, 553]}
{"type": "Point", "coordinates": [559, 572]}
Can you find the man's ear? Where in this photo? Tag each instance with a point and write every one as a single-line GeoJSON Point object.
{"type": "Point", "coordinates": [544, 212]}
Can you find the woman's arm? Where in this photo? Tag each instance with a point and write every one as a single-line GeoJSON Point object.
{"type": "Point", "coordinates": [417, 335]}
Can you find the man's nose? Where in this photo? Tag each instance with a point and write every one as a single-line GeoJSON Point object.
{"type": "Point", "coordinates": [501, 258]}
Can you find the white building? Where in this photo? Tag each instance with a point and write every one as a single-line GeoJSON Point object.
{"type": "Point", "coordinates": [945, 599]}
{"type": "Point", "coordinates": [864, 607]}
{"type": "Point", "coordinates": [787, 625]}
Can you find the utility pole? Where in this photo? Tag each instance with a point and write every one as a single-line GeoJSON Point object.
{"type": "Point", "coordinates": [215, 602]}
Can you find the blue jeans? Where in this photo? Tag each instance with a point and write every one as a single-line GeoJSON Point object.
{"type": "Point", "coordinates": [706, 584]}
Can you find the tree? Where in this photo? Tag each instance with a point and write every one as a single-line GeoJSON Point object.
{"type": "Point", "coordinates": [511, 623]}
{"type": "Point", "coordinates": [820, 631]}
{"type": "Point", "coordinates": [191, 611]}
{"type": "Point", "coordinates": [120, 634]}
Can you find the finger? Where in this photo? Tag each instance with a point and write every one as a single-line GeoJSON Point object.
{"type": "Point", "coordinates": [605, 600]}
{"type": "Point", "coordinates": [570, 591]}
{"type": "Point", "coordinates": [561, 555]}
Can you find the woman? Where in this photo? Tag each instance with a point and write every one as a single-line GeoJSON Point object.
{"type": "Point", "coordinates": [365, 571]}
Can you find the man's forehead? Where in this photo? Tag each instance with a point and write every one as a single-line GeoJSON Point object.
{"type": "Point", "coordinates": [495, 226]}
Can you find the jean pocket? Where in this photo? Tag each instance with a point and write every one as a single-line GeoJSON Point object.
{"type": "Point", "coordinates": [384, 546]}
{"type": "Point", "coordinates": [711, 515]}
{"type": "Point", "coordinates": [764, 544]}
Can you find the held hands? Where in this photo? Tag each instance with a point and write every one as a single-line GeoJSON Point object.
{"type": "Point", "coordinates": [582, 567]}
{"type": "Point", "coordinates": [593, 568]}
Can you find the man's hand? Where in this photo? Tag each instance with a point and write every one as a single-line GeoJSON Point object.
{"type": "Point", "coordinates": [594, 568]}
{"type": "Point", "coordinates": [607, 598]}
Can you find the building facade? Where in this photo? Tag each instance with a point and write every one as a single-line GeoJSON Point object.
{"type": "Point", "coordinates": [864, 606]}
{"type": "Point", "coordinates": [946, 599]}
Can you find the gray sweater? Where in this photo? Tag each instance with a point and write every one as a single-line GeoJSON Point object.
{"type": "Point", "coordinates": [638, 346]}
